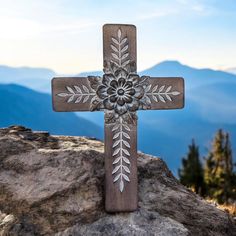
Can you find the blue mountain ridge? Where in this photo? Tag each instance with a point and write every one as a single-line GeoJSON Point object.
{"type": "Point", "coordinates": [210, 105]}
{"type": "Point", "coordinates": [23, 106]}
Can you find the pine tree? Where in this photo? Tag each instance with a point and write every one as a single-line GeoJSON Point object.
{"type": "Point", "coordinates": [219, 174]}
{"type": "Point", "coordinates": [191, 174]}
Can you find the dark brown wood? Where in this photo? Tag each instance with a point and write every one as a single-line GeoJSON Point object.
{"type": "Point", "coordinates": [60, 85]}
{"type": "Point", "coordinates": [171, 95]}
{"type": "Point", "coordinates": [117, 201]}
{"type": "Point", "coordinates": [128, 31]}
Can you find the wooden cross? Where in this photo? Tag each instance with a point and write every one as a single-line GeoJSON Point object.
{"type": "Point", "coordinates": [120, 92]}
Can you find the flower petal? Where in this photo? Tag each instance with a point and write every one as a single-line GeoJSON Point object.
{"type": "Point", "coordinates": [102, 91]}
{"type": "Point", "coordinates": [128, 99]}
{"type": "Point", "coordinates": [111, 90]}
{"type": "Point", "coordinates": [120, 109]}
{"type": "Point", "coordinates": [139, 92]}
{"type": "Point", "coordinates": [121, 73]}
{"type": "Point", "coordinates": [131, 92]}
{"type": "Point", "coordinates": [113, 98]}
{"type": "Point", "coordinates": [114, 84]}
{"type": "Point", "coordinates": [107, 78]}
{"type": "Point", "coordinates": [121, 81]}
{"type": "Point", "coordinates": [128, 84]}
{"type": "Point", "coordinates": [121, 101]}
{"type": "Point", "coordinates": [134, 78]}
{"type": "Point", "coordinates": [108, 105]}
{"type": "Point", "coordinates": [133, 106]}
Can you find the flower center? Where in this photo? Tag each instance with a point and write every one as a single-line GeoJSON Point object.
{"type": "Point", "coordinates": [120, 91]}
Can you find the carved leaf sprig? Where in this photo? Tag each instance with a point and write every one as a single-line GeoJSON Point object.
{"type": "Point", "coordinates": [77, 94]}
{"type": "Point", "coordinates": [121, 153]}
{"type": "Point", "coordinates": [162, 93]}
{"type": "Point", "coordinates": [119, 47]}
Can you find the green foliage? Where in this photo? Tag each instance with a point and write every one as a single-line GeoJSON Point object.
{"type": "Point", "coordinates": [218, 172]}
{"type": "Point", "coordinates": [191, 173]}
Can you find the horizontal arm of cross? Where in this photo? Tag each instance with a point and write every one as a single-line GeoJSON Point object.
{"type": "Point", "coordinates": [163, 93]}
{"type": "Point", "coordinates": [72, 94]}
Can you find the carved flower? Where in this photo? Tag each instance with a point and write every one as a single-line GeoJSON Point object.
{"type": "Point", "coordinates": [120, 91]}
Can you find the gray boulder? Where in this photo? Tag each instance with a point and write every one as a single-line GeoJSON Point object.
{"type": "Point", "coordinates": [54, 185]}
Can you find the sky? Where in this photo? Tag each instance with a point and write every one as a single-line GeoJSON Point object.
{"type": "Point", "coordinates": [66, 35]}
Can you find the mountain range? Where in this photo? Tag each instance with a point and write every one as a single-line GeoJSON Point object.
{"type": "Point", "coordinates": [210, 105]}
{"type": "Point", "coordinates": [23, 106]}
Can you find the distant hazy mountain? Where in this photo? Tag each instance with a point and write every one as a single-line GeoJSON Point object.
{"type": "Point", "coordinates": [210, 105]}
{"type": "Point", "coordinates": [23, 106]}
{"type": "Point", "coordinates": [231, 70]}
{"type": "Point", "coordinates": [34, 78]}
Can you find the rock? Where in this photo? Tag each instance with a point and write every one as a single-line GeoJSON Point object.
{"type": "Point", "coordinates": [54, 185]}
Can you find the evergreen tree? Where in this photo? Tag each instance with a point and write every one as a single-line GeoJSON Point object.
{"type": "Point", "coordinates": [191, 174]}
{"type": "Point", "coordinates": [219, 174]}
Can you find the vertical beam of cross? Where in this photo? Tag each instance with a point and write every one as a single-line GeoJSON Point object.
{"type": "Point", "coordinates": [119, 55]}
{"type": "Point", "coordinates": [119, 93]}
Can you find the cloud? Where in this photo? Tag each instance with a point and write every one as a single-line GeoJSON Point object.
{"type": "Point", "coordinates": [157, 14]}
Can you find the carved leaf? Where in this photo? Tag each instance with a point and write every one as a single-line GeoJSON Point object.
{"type": "Point", "coordinates": [154, 98]}
{"type": "Point", "coordinates": [119, 33]}
{"type": "Point", "coordinates": [85, 89]}
{"type": "Point", "coordinates": [62, 94]}
{"type": "Point", "coordinates": [126, 160]}
{"type": "Point", "coordinates": [126, 169]}
{"type": "Point", "coordinates": [115, 63]}
{"type": "Point", "coordinates": [78, 99]}
{"type": "Point", "coordinates": [125, 63]}
{"type": "Point", "coordinates": [116, 152]}
{"type": "Point", "coordinates": [126, 144]}
{"type": "Point", "coordinates": [116, 160]}
{"type": "Point", "coordinates": [71, 99]}
{"type": "Point", "coordinates": [77, 88]}
{"type": "Point", "coordinates": [161, 88]}
{"type": "Point", "coordinates": [161, 98]}
{"type": "Point", "coordinates": [121, 185]}
{"type": "Point", "coordinates": [148, 88]}
{"type": "Point", "coordinates": [126, 177]}
{"type": "Point", "coordinates": [116, 178]}
{"type": "Point", "coordinates": [154, 89]}
{"type": "Point", "coordinates": [126, 135]}
{"type": "Point", "coordinates": [168, 89]}
{"type": "Point", "coordinates": [70, 89]}
{"type": "Point", "coordinates": [123, 41]}
{"type": "Point", "coordinates": [126, 152]}
{"type": "Point", "coordinates": [116, 135]}
{"type": "Point", "coordinates": [116, 143]}
{"type": "Point", "coordinates": [114, 48]}
{"type": "Point", "coordinates": [116, 169]}
{"type": "Point", "coordinates": [175, 93]}
{"type": "Point", "coordinates": [115, 56]}
{"type": "Point", "coordinates": [124, 56]}
{"type": "Point", "coordinates": [168, 97]}
{"type": "Point", "coordinates": [124, 48]}
{"type": "Point", "coordinates": [86, 98]}
{"type": "Point", "coordinates": [126, 127]}
{"type": "Point", "coordinates": [115, 127]}
{"type": "Point", "coordinates": [148, 101]}
{"type": "Point", "coordinates": [114, 41]}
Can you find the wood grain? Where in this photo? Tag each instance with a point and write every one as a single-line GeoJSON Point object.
{"type": "Point", "coordinates": [59, 85]}
{"type": "Point", "coordinates": [117, 201]}
{"type": "Point", "coordinates": [176, 84]}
